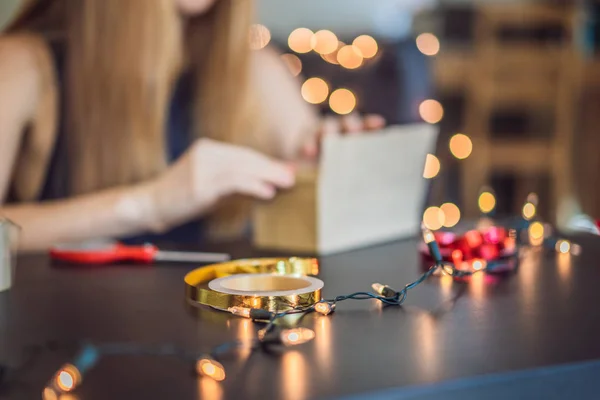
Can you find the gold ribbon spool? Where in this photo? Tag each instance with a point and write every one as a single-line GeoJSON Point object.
{"type": "Point", "coordinates": [274, 277]}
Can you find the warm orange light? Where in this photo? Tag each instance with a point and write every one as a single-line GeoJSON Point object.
{"type": "Point", "coordinates": [300, 40]}
{"type": "Point", "coordinates": [332, 57]}
{"type": "Point", "coordinates": [432, 167]}
{"type": "Point", "coordinates": [536, 233]}
{"type": "Point", "coordinates": [528, 211]}
{"type": "Point", "coordinates": [452, 214]}
{"type": "Point", "coordinates": [324, 42]}
{"type": "Point", "coordinates": [324, 308]}
{"type": "Point", "coordinates": [434, 218]}
{"type": "Point", "coordinates": [487, 202]}
{"type": "Point", "coordinates": [350, 57]}
{"type": "Point", "coordinates": [342, 101]}
{"type": "Point", "coordinates": [479, 265]}
{"type": "Point", "coordinates": [563, 246]}
{"type": "Point", "coordinates": [210, 368]}
{"type": "Point", "coordinates": [292, 337]}
{"type": "Point", "coordinates": [428, 44]}
{"type": "Point", "coordinates": [260, 36]}
{"type": "Point", "coordinates": [315, 90]}
{"type": "Point", "coordinates": [431, 111]}
{"type": "Point", "coordinates": [367, 45]}
{"type": "Point", "coordinates": [461, 146]}
{"type": "Point", "coordinates": [67, 378]}
{"type": "Point", "coordinates": [293, 63]}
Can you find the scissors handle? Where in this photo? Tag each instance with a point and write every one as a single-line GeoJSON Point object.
{"type": "Point", "coordinates": [111, 254]}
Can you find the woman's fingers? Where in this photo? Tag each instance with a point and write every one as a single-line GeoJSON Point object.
{"type": "Point", "coordinates": [373, 122]}
{"type": "Point", "coordinates": [254, 187]}
{"type": "Point", "coordinates": [352, 123]}
{"type": "Point", "coordinates": [254, 165]}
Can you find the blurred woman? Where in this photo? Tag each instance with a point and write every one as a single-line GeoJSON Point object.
{"type": "Point", "coordinates": [124, 117]}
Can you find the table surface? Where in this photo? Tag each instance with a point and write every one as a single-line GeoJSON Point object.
{"type": "Point", "coordinates": [540, 316]}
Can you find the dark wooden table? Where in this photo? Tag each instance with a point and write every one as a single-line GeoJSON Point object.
{"type": "Point", "coordinates": [544, 315]}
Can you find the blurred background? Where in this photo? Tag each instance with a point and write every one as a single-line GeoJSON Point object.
{"type": "Point", "coordinates": [513, 85]}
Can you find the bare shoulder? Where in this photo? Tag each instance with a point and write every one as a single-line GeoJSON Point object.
{"type": "Point", "coordinates": [25, 63]}
{"type": "Point", "coordinates": [267, 64]}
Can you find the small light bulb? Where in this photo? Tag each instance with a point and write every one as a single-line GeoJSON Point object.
{"type": "Point", "coordinates": [67, 378]}
{"type": "Point", "coordinates": [528, 211]}
{"type": "Point", "coordinates": [210, 368]}
{"type": "Point", "coordinates": [383, 290]}
{"type": "Point", "coordinates": [563, 246]}
{"type": "Point", "coordinates": [240, 311]}
{"type": "Point", "coordinates": [478, 265]}
{"type": "Point", "coordinates": [448, 269]}
{"type": "Point", "coordinates": [536, 233]}
{"type": "Point", "coordinates": [428, 236]}
{"type": "Point", "coordinates": [378, 288]}
{"type": "Point", "coordinates": [324, 308]}
{"type": "Point", "coordinates": [292, 337]}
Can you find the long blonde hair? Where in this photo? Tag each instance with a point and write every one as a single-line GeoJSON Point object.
{"type": "Point", "coordinates": [123, 58]}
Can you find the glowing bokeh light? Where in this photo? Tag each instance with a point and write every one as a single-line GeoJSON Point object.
{"type": "Point", "coordinates": [300, 40]}
{"type": "Point", "coordinates": [461, 146]}
{"type": "Point", "coordinates": [315, 90]}
{"type": "Point", "coordinates": [536, 233]}
{"type": "Point", "coordinates": [350, 57]}
{"type": "Point", "coordinates": [528, 211]}
{"type": "Point", "coordinates": [293, 63]}
{"type": "Point", "coordinates": [210, 368]}
{"type": "Point", "coordinates": [432, 167]}
{"type": "Point", "coordinates": [451, 214]}
{"type": "Point", "coordinates": [434, 218]}
{"type": "Point", "coordinates": [479, 265]}
{"type": "Point", "coordinates": [292, 337]}
{"type": "Point", "coordinates": [324, 42]}
{"type": "Point", "coordinates": [332, 57]}
{"type": "Point", "coordinates": [342, 101]}
{"type": "Point", "coordinates": [487, 202]}
{"type": "Point", "coordinates": [563, 246]}
{"type": "Point", "coordinates": [367, 45]}
{"type": "Point", "coordinates": [260, 36]}
{"type": "Point", "coordinates": [431, 111]}
{"type": "Point", "coordinates": [428, 44]}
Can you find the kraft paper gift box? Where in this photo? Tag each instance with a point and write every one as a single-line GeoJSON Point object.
{"type": "Point", "coordinates": [366, 189]}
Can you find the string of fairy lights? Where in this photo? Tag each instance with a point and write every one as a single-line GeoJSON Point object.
{"type": "Point", "coordinates": [70, 375]}
{"type": "Point", "coordinates": [524, 230]}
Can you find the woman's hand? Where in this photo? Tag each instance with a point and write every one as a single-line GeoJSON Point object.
{"type": "Point", "coordinates": [349, 124]}
{"type": "Point", "coordinates": [210, 171]}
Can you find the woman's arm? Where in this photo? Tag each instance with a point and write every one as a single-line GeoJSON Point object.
{"type": "Point", "coordinates": [104, 214]}
{"type": "Point", "coordinates": [208, 172]}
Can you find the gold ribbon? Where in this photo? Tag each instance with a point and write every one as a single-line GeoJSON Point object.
{"type": "Point", "coordinates": [196, 295]}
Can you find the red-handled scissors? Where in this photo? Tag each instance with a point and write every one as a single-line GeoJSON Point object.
{"type": "Point", "coordinates": [107, 252]}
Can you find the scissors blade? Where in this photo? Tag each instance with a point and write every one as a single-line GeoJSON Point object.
{"type": "Point", "coordinates": [181, 256]}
